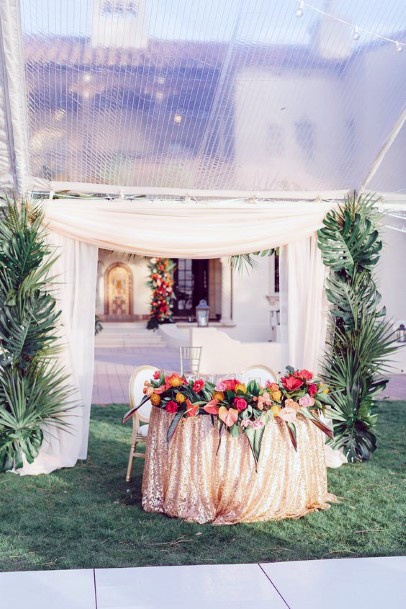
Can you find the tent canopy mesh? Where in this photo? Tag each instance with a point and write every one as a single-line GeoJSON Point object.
{"type": "Point", "coordinates": [203, 95]}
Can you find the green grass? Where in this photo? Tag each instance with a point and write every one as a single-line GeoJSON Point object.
{"type": "Point", "coordinates": [89, 517]}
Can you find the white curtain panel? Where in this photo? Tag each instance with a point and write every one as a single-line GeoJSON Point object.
{"type": "Point", "coordinates": [170, 229]}
{"type": "Point", "coordinates": [304, 306]}
{"type": "Point", "coordinates": [76, 273]}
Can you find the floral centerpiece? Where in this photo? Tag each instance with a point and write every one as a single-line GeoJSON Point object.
{"type": "Point", "coordinates": [237, 407]}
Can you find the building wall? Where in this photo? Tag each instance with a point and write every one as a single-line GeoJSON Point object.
{"type": "Point", "coordinates": [391, 273]}
{"type": "Point", "coordinates": [140, 292]}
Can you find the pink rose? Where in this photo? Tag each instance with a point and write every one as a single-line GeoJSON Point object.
{"type": "Point", "coordinates": [306, 401]}
{"type": "Point", "coordinates": [198, 385]}
{"type": "Point", "coordinates": [240, 404]}
{"type": "Point", "coordinates": [221, 386]}
{"type": "Point", "coordinates": [157, 374]}
{"type": "Point", "coordinates": [288, 414]}
{"type": "Point", "coordinates": [172, 406]}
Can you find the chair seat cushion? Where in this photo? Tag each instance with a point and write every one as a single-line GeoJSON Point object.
{"type": "Point", "coordinates": [143, 430]}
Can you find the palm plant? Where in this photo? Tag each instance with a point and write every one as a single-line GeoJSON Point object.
{"type": "Point", "coordinates": [360, 339]}
{"type": "Point", "coordinates": [32, 386]}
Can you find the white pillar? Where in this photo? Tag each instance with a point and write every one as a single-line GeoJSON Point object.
{"type": "Point", "coordinates": [226, 291]}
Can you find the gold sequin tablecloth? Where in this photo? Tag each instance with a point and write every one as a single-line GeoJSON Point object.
{"type": "Point", "coordinates": [187, 479]}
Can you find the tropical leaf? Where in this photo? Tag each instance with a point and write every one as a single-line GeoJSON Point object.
{"type": "Point", "coordinates": [255, 437]}
{"type": "Point", "coordinates": [360, 340]}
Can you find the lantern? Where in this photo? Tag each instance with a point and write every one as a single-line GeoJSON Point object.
{"type": "Point", "coordinates": [202, 314]}
{"type": "Point", "coordinates": [401, 333]}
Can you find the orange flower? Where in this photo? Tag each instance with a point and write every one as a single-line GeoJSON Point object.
{"type": "Point", "coordinates": [191, 409]}
{"type": "Point", "coordinates": [155, 399]}
{"type": "Point", "coordinates": [275, 410]}
{"type": "Point", "coordinates": [240, 387]}
{"type": "Point", "coordinates": [276, 395]}
{"type": "Point", "coordinates": [272, 386]}
{"type": "Point", "coordinates": [229, 416]}
{"type": "Point", "coordinates": [180, 398]}
{"type": "Point", "coordinates": [173, 380]}
{"type": "Point", "coordinates": [292, 404]}
{"type": "Point", "coordinates": [218, 395]}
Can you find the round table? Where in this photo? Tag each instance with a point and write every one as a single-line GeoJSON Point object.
{"type": "Point", "coordinates": [196, 479]}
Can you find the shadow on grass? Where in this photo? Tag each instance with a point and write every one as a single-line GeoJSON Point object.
{"type": "Point", "coordinates": [88, 516]}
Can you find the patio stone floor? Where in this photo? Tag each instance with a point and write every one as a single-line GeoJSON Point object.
{"type": "Point", "coordinates": [113, 368]}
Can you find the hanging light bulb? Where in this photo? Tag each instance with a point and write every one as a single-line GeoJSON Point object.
{"type": "Point", "coordinates": [356, 33]}
{"type": "Point", "coordinates": [398, 47]}
{"type": "Point", "coordinates": [300, 7]}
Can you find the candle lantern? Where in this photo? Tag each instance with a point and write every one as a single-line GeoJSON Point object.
{"type": "Point", "coordinates": [202, 314]}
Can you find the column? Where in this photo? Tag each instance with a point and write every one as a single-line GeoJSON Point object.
{"type": "Point", "coordinates": [226, 292]}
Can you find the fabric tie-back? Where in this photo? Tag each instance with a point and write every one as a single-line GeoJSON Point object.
{"type": "Point", "coordinates": [210, 229]}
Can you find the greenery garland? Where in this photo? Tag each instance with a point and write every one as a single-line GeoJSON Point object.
{"type": "Point", "coordinates": [360, 339]}
{"type": "Point", "coordinates": [32, 387]}
{"type": "Point", "coordinates": [161, 283]}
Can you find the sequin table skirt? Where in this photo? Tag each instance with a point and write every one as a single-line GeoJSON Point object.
{"type": "Point", "coordinates": [187, 479]}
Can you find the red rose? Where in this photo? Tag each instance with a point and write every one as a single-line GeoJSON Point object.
{"type": "Point", "coordinates": [198, 385]}
{"type": "Point", "coordinates": [312, 389]}
{"type": "Point", "coordinates": [230, 384]}
{"type": "Point", "coordinates": [240, 404]}
{"type": "Point", "coordinates": [157, 374]}
{"type": "Point", "coordinates": [171, 406]}
{"type": "Point", "coordinates": [305, 375]}
{"type": "Point", "coordinates": [291, 383]}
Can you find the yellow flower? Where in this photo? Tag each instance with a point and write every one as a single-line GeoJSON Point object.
{"type": "Point", "coordinates": [240, 387]}
{"type": "Point", "coordinates": [218, 395]}
{"type": "Point", "coordinates": [275, 410]}
{"type": "Point", "coordinates": [276, 396]}
{"type": "Point", "coordinates": [180, 398]}
{"type": "Point", "coordinates": [323, 388]}
{"type": "Point", "coordinates": [155, 399]}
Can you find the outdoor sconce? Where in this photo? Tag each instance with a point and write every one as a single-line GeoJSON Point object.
{"type": "Point", "coordinates": [401, 333]}
{"type": "Point", "coordinates": [202, 314]}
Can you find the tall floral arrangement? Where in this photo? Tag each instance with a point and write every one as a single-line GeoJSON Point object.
{"type": "Point", "coordinates": [161, 283]}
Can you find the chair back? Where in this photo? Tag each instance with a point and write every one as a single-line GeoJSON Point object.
{"type": "Point", "coordinates": [136, 386]}
{"type": "Point", "coordinates": [259, 373]}
{"type": "Point", "coordinates": [190, 360]}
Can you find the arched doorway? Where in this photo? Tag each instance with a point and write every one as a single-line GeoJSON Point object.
{"type": "Point", "coordinates": [118, 293]}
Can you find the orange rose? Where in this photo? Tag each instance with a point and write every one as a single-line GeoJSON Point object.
{"type": "Point", "coordinates": [180, 398]}
{"type": "Point", "coordinates": [218, 395]}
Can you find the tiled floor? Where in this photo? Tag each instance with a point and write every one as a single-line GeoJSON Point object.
{"type": "Point", "coordinates": [364, 583]}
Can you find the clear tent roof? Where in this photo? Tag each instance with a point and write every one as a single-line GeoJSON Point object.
{"type": "Point", "coordinates": [214, 95]}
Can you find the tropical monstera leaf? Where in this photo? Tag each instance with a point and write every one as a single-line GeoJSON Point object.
{"type": "Point", "coordinates": [360, 338]}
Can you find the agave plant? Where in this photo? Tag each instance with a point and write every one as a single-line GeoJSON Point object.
{"type": "Point", "coordinates": [360, 339]}
{"type": "Point", "coordinates": [32, 387]}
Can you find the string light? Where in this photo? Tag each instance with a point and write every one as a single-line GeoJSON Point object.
{"type": "Point", "coordinates": [299, 10]}
{"type": "Point", "coordinates": [356, 29]}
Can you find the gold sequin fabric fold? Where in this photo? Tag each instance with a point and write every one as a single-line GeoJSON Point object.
{"type": "Point", "coordinates": [197, 479]}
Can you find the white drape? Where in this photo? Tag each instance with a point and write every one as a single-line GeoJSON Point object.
{"type": "Point", "coordinates": [76, 273]}
{"type": "Point", "coordinates": [209, 229]}
{"type": "Point", "coordinates": [303, 304]}
{"type": "Point", "coordinates": [172, 229]}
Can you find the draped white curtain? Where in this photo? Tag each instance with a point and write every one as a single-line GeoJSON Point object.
{"type": "Point", "coordinates": [303, 304]}
{"type": "Point", "coordinates": [76, 273]}
{"type": "Point", "coordinates": [172, 229]}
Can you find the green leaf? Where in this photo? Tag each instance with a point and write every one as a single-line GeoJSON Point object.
{"type": "Point", "coordinates": [292, 433]}
{"type": "Point", "coordinates": [254, 437]}
{"type": "Point", "coordinates": [174, 424]}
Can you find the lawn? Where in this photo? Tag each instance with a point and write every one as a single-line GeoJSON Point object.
{"type": "Point", "coordinates": [90, 517]}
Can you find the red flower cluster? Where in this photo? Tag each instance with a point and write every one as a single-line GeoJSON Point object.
{"type": "Point", "coordinates": [297, 379]}
{"type": "Point", "coordinates": [161, 284]}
